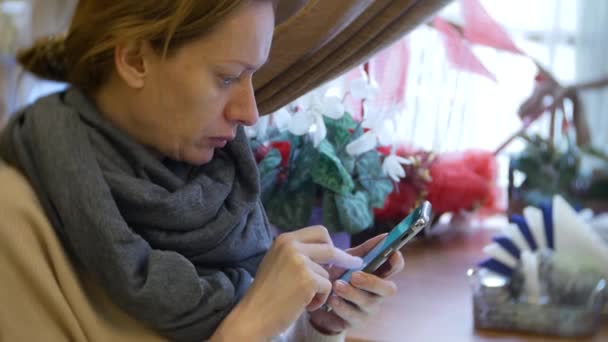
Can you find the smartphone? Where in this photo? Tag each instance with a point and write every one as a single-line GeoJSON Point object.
{"type": "Point", "coordinates": [403, 232]}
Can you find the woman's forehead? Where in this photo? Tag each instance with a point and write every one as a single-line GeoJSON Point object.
{"type": "Point", "coordinates": [245, 37]}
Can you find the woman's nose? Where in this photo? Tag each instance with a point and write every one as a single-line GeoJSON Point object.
{"type": "Point", "coordinates": [242, 106]}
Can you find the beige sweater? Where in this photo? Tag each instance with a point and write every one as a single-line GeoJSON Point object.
{"type": "Point", "coordinates": [44, 299]}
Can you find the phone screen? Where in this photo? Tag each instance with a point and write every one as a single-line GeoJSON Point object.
{"type": "Point", "coordinates": [399, 235]}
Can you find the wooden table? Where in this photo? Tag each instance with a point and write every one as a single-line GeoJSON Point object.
{"type": "Point", "coordinates": [434, 301]}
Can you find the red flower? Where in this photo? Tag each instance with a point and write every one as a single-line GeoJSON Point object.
{"type": "Point", "coordinates": [384, 150]}
{"type": "Point", "coordinates": [540, 77]}
{"type": "Point", "coordinates": [410, 190]}
{"type": "Point", "coordinates": [402, 151]}
{"type": "Point", "coordinates": [261, 153]}
{"type": "Point", "coordinates": [284, 148]}
{"type": "Point", "coordinates": [462, 181]}
{"type": "Point", "coordinates": [482, 163]}
{"type": "Point", "coordinates": [458, 181]}
{"type": "Point", "coordinates": [398, 204]}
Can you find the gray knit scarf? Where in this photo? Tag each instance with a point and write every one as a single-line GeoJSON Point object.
{"type": "Point", "coordinates": [174, 245]}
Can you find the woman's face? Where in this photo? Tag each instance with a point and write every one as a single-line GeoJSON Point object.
{"type": "Point", "coordinates": [192, 102]}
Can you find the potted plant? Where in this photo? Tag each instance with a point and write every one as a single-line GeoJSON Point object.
{"type": "Point", "coordinates": [318, 165]}
{"type": "Point", "coordinates": [547, 170]}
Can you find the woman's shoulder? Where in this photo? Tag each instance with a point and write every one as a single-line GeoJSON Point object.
{"type": "Point", "coordinates": [17, 198]}
{"type": "Point", "coordinates": [41, 106]}
{"type": "Point", "coordinates": [52, 99]}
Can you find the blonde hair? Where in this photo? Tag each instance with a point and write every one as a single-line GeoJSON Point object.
{"type": "Point", "coordinates": [84, 57]}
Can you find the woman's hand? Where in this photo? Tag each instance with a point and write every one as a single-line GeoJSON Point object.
{"type": "Point", "coordinates": [353, 303]}
{"type": "Point", "coordinates": [289, 281]}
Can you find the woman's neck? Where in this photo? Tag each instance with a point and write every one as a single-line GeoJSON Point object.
{"type": "Point", "coordinates": [113, 102]}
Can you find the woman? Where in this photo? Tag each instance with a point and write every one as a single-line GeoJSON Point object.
{"type": "Point", "coordinates": [145, 173]}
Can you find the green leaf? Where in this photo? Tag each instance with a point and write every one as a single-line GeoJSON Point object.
{"type": "Point", "coordinates": [270, 162]}
{"type": "Point", "coordinates": [536, 198]}
{"type": "Point", "coordinates": [378, 193]}
{"type": "Point", "coordinates": [255, 144]}
{"type": "Point", "coordinates": [331, 216]}
{"type": "Point", "coordinates": [269, 169]}
{"type": "Point", "coordinates": [338, 130]}
{"type": "Point", "coordinates": [378, 186]}
{"type": "Point", "coordinates": [369, 164]}
{"type": "Point", "coordinates": [296, 143]}
{"type": "Point", "coordinates": [532, 164]}
{"type": "Point", "coordinates": [283, 136]}
{"type": "Point", "coordinates": [290, 210]}
{"type": "Point", "coordinates": [268, 183]}
{"type": "Point", "coordinates": [329, 172]}
{"type": "Point", "coordinates": [549, 169]}
{"type": "Point", "coordinates": [354, 212]}
{"type": "Point", "coordinates": [567, 167]}
{"type": "Point", "coordinates": [304, 162]}
{"type": "Point", "coordinates": [348, 161]}
{"type": "Point", "coordinates": [598, 189]}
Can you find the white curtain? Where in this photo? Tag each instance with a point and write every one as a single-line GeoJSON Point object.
{"type": "Point", "coordinates": [592, 63]}
{"type": "Point", "coordinates": [450, 110]}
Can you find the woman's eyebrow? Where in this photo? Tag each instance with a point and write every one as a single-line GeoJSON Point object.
{"type": "Point", "coordinates": [248, 66]}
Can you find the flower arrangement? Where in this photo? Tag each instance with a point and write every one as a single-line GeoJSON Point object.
{"type": "Point", "coordinates": [315, 157]}
{"type": "Point", "coordinates": [452, 182]}
{"type": "Point", "coordinates": [313, 154]}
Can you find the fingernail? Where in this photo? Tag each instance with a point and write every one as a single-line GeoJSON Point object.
{"type": "Point", "coordinates": [340, 286]}
{"type": "Point", "coordinates": [358, 277]}
{"type": "Point", "coordinates": [358, 262]}
{"type": "Point", "coordinates": [352, 263]}
{"type": "Point", "coordinates": [348, 261]}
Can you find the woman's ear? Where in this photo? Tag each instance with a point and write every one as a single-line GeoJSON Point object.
{"type": "Point", "coordinates": [130, 62]}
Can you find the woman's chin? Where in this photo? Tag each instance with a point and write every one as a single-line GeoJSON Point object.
{"type": "Point", "coordinates": [198, 155]}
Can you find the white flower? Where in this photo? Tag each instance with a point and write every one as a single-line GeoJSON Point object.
{"type": "Point", "coordinates": [330, 106]}
{"type": "Point", "coordinates": [320, 131]}
{"type": "Point", "coordinates": [364, 143]}
{"type": "Point", "coordinates": [362, 89]}
{"type": "Point", "coordinates": [260, 128]}
{"type": "Point", "coordinates": [281, 119]}
{"type": "Point", "coordinates": [381, 130]}
{"type": "Point", "coordinates": [392, 167]}
{"type": "Point", "coordinates": [301, 122]}
{"type": "Point", "coordinates": [310, 119]}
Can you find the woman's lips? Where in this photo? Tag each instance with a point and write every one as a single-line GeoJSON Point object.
{"type": "Point", "coordinates": [220, 142]}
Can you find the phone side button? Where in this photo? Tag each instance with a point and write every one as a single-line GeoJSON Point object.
{"type": "Point", "coordinates": [387, 253]}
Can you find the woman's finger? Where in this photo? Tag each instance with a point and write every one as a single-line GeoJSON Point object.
{"type": "Point", "coordinates": [365, 301]}
{"type": "Point", "coordinates": [313, 234]}
{"type": "Point", "coordinates": [367, 246]}
{"type": "Point", "coordinates": [328, 255]}
{"type": "Point", "coordinates": [373, 284]}
{"type": "Point", "coordinates": [324, 289]}
{"type": "Point", "coordinates": [395, 263]}
{"type": "Point", "coordinates": [318, 269]}
{"type": "Point", "coordinates": [348, 312]}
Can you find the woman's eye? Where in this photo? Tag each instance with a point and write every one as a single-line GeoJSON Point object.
{"type": "Point", "coordinates": [227, 81]}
